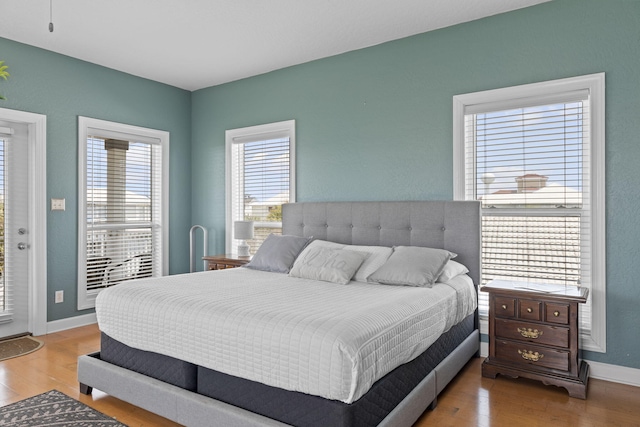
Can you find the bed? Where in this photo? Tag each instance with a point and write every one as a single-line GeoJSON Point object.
{"type": "Point", "coordinates": [257, 386]}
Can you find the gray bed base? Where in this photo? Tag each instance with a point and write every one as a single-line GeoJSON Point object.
{"type": "Point", "coordinates": [450, 225]}
{"type": "Point", "coordinates": [194, 410]}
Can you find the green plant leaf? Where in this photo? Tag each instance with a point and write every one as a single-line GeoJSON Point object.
{"type": "Point", "coordinates": [4, 74]}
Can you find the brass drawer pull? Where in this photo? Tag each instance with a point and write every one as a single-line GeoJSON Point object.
{"type": "Point", "coordinates": [529, 310]}
{"type": "Point", "coordinates": [530, 355]}
{"type": "Point", "coordinates": [556, 313]}
{"type": "Point", "coordinates": [530, 333]}
{"type": "Point", "coordinates": [504, 306]}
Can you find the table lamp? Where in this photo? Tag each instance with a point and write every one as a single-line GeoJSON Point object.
{"type": "Point", "coordinates": [243, 231]}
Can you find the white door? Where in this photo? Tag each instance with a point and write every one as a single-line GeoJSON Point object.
{"type": "Point", "coordinates": [14, 229]}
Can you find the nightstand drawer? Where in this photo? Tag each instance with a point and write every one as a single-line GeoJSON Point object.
{"type": "Point", "coordinates": [533, 333]}
{"type": "Point", "coordinates": [556, 313]}
{"type": "Point", "coordinates": [504, 307]}
{"type": "Point", "coordinates": [529, 309]}
{"type": "Point", "coordinates": [532, 355]}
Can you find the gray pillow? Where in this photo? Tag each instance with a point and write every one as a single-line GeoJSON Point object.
{"type": "Point", "coordinates": [412, 266]}
{"type": "Point", "coordinates": [329, 265]}
{"type": "Point", "coordinates": [278, 253]}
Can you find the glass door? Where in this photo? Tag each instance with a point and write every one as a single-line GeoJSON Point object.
{"type": "Point", "coordinates": [14, 232]}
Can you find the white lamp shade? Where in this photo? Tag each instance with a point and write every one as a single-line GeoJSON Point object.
{"type": "Point", "coordinates": [243, 230]}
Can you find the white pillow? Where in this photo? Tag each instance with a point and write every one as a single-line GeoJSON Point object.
{"type": "Point", "coordinates": [412, 266]}
{"type": "Point", "coordinates": [452, 269]}
{"type": "Point", "coordinates": [329, 265]}
{"type": "Point", "coordinates": [378, 255]}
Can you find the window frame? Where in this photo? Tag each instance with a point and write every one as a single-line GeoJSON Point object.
{"type": "Point", "coordinates": [250, 134]}
{"type": "Point", "coordinates": [86, 127]}
{"type": "Point", "coordinates": [523, 95]}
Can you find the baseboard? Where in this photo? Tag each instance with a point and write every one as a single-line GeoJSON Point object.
{"type": "Point", "coordinates": [484, 349]}
{"type": "Point", "coordinates": [71, 322]}
{"type": "Point", "coordinates": [597, 370]}
{"type": "Point", "coordinates": [614, 373]}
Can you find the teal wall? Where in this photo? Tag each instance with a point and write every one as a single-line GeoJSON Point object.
{"type": "Point", "coordinates": [376, 124]}
{"type": "Point", "coordinates": [64, 88]}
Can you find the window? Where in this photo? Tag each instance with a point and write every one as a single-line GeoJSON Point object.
{"type": "Point", "coordinates": [122, 205]}
{"type": "Point", "coordinates": [533, 155]}
{"type": "Point", "coordinates": [260, 178]}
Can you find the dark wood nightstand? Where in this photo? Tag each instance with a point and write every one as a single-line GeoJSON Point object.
{"type": "Point", "coordinates": [220, 262]}
{"type": "Point", "coordinates": [535, 334]}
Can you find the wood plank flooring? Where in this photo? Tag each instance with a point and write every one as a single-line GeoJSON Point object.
{"type": "Point", "coordinates": [469, 400]}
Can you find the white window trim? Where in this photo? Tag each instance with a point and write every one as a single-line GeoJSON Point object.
{"type": "Point", "coordinates": [287, 128]}
{"type": "Point", "coordinates": [37, 215]}
{"type": "Point", "coordinates": [87, 126]}
{"type": "Point", "coordinates": [595, 84]}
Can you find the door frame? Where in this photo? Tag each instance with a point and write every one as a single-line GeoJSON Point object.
{"type": "Point", "coordinates": [37, 140]}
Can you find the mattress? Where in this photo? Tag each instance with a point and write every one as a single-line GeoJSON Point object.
{"type": "Point", "coordinates": [318, 338]}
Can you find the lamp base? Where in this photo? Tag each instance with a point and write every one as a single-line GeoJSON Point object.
{"type": "Point", "coordinates": [243, 248]}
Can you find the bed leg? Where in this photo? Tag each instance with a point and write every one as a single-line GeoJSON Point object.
{"type": "Point", "coordinates": [433, 404]}
{"type": "Point", "coordinates": [85, 389]}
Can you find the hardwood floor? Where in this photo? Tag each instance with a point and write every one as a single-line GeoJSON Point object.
{"type": "Point", "coordinates": [470, 400]}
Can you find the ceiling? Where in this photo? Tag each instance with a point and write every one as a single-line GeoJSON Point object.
{"type": "Point", "coordinates": [192, 44]}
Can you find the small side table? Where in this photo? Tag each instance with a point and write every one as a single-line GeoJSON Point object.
{"type": "Point", "coordinates": [534, 334]}
{"type": "Point", "coordinates": [220, 262]}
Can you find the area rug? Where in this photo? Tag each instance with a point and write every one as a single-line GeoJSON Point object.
{"type": "Point", "coordinates": [53, 408]}
{"type": "Point", "coordinates": [15, 347]}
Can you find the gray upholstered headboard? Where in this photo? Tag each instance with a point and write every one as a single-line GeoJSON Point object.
{"type": "Point", "coordinates": [451, 225]}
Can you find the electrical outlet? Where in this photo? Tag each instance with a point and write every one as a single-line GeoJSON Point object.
{"type": "Point", "coordinates": [57, 204]}
{"type": "Point", "coordinates": [59, 296]}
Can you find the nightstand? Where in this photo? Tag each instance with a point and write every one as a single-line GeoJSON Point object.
{"type": "Point", "coordinates": [220, 262]}
{"type": "Point", "coordinates": [534, 333]}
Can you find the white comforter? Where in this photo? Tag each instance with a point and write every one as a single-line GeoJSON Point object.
{"type": "Point", "coordinates": [315, 337]}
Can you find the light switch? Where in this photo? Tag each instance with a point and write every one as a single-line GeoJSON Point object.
{"type": "Point", "coordinates": [57, 204]}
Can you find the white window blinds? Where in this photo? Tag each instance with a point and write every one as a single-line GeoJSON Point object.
{"type": "Point", "coordinates": [4, 302]}
{"type": "Point", "coordinates": [532, 160]}
{"type": "Point", "coordinates": [261, 168]}
{"type": "Point", "coordinates": [527, 155]}
{"type": "Point", "coordinates": [120, 211]}
{"type": "Point", "coordinates": [123, 209]}
{"type": "Point", "coordinates": [14, 203]}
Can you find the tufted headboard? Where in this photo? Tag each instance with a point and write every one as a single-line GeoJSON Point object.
{"type": "Point", "coordinates": [451, 225]}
